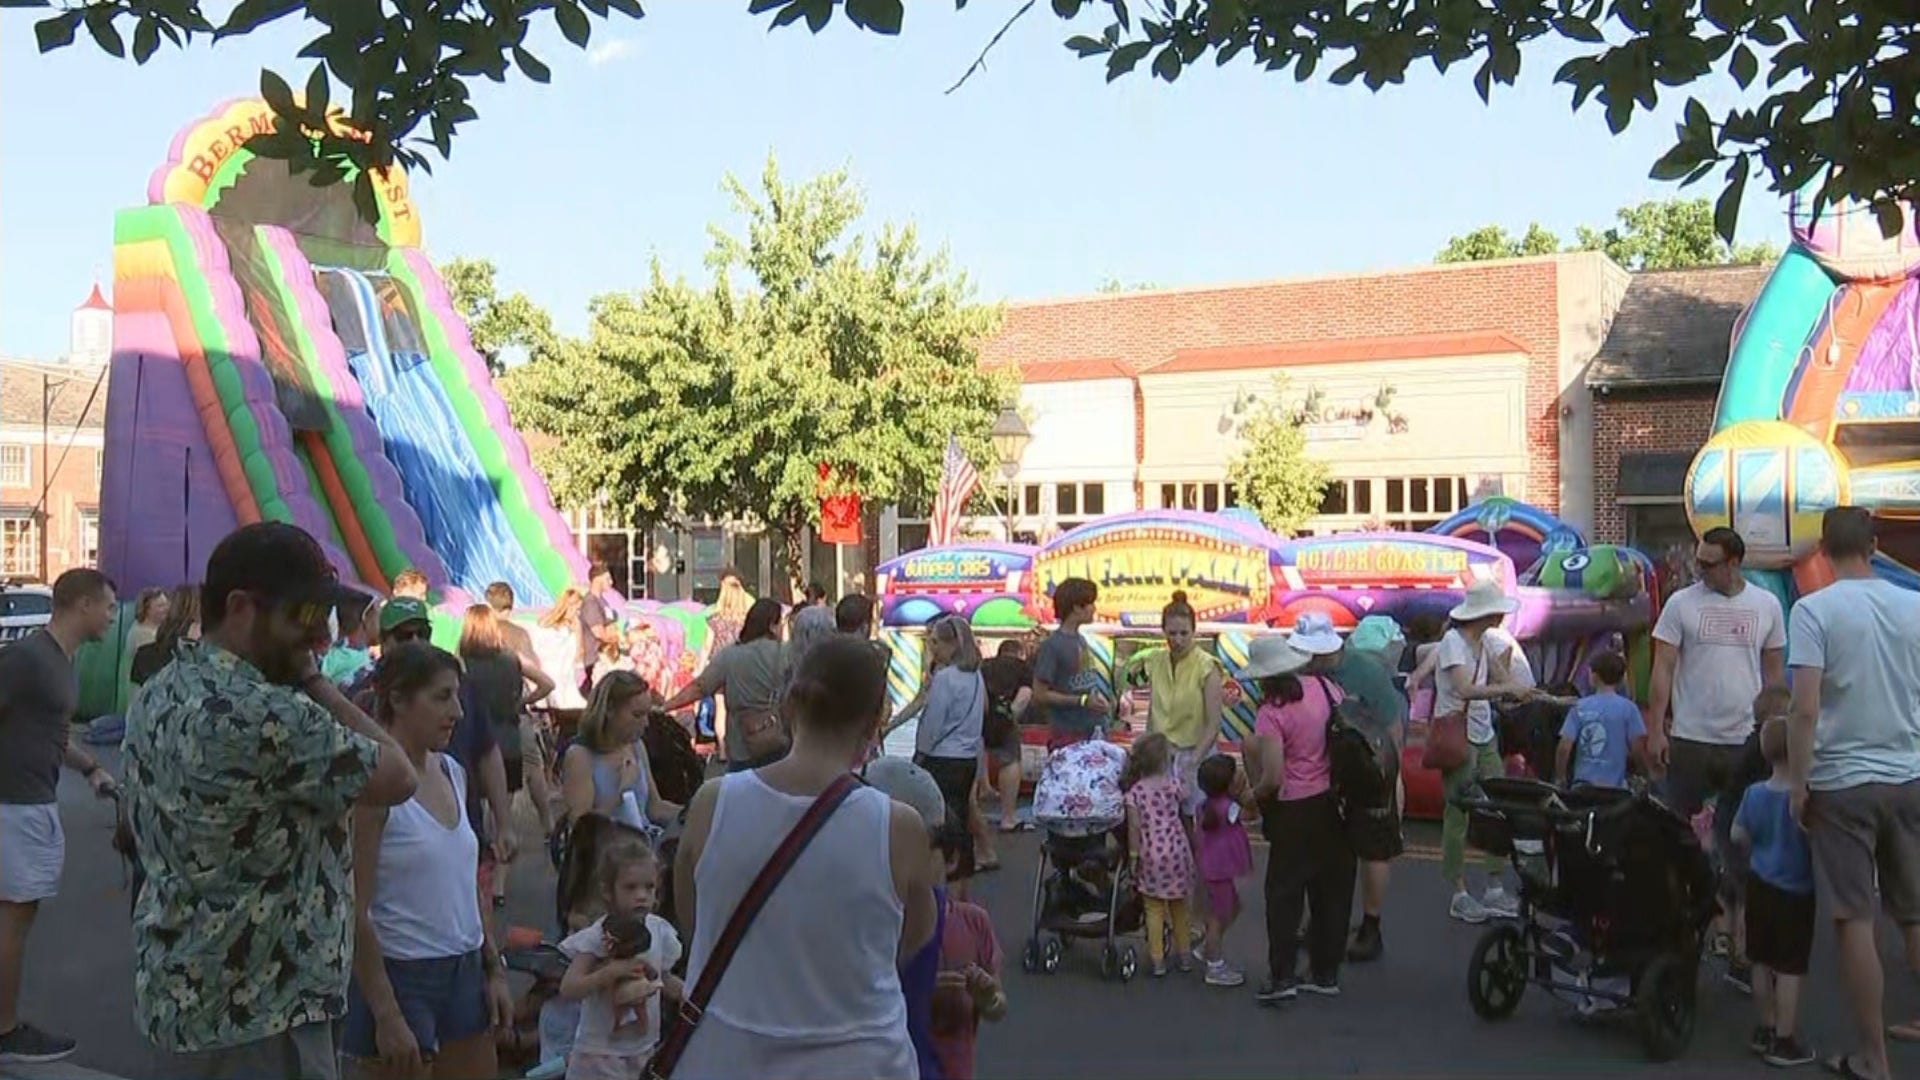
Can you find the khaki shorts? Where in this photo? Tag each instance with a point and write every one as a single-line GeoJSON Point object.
{"type": "Point", "coordinates": [1862, 833]}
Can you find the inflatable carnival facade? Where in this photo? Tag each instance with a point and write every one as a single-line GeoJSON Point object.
{"type": "Point", "coordinates": [1820, 405]}
{"type": "Point", "coordinates": [278, 357]}
{"type": "Point", "coordinates": [1244, 581]}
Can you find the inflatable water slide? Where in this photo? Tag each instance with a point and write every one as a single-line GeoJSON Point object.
{"type": "Point", "coordinates": [1820, 404]}
{"type": "Point", "coordinates": [278, 357]}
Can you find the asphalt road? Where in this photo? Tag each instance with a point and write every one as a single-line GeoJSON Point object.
{"type": "Point", "coordinates": [1406, 1016]}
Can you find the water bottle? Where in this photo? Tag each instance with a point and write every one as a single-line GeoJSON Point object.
{"type": "Point", "coordinates": [629, 812]}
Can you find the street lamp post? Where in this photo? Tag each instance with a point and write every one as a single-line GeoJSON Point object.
{"type": "Point", "coordinates": [1010, 438]}
{"type": "Point", "coordinates": [50, 388]}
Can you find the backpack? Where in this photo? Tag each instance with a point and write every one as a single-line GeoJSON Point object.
{"type": "Point", "coordinates": [1361, 759]}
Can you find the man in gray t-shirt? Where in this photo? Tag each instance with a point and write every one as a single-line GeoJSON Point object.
{"type": "Point", "coordinates": [1066, 694]}
{"type": "Point", "coordinates": [38, 695]}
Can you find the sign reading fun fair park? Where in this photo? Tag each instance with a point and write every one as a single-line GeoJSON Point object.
{"type": "Point", "coordinates": [1139, 560]}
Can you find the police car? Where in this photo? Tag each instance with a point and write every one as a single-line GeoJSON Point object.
{"type": "Point", "coordinates": [23, 609]}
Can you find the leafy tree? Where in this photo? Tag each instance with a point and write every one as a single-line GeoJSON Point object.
{"type": "Point", "coordinates": [501, 327]}
{"type": "Point", "coordinates": [1839, 107]}
{"type": "Point", "coordinates": [1277, 478]}
{"type": "Point", "coordinates": [1494, 242]}
{"type": "Point", "coordinates": [1670, 234]}
{"type": "Point", "coordinates": [813, 345]}
{"type": "Point", "coordinates": [1661, 234]}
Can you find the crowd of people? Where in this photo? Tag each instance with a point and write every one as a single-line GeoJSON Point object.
{"type": "Point", "coordinates": [320, 804]}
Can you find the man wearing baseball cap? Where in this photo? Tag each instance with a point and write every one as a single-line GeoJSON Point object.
{"type": "Point", "coordinates": [242, 764]}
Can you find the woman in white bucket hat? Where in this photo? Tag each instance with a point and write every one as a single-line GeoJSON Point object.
{"type": "Point", "coordinates": [1310, 863]}
{"type": "Point", "coordinates": [1468, 678]}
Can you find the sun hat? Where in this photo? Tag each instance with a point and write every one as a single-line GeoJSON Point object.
{"type": "Point", "coordinates": [1271, 655]}
{"type": "Point", "coordinates": [903, 781]}
{"type": "Point", "coordinates": [1483, 599]}
{"type": "Point", "coordinates": [402, 610]}
{"type": "Point", "coordinates": [1313, 634]}
{"type": "Point", "coordinates": [1376, 633]}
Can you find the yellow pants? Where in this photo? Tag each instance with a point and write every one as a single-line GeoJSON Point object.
{"type": "Point", "coordinates": [1157, 912]}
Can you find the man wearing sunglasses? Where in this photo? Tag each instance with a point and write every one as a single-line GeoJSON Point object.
{"type": "Point", "coordinates": [242, 763]}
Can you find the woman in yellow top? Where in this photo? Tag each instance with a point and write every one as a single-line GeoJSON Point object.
{"type": "Point", "coordinates": [1184, 687]}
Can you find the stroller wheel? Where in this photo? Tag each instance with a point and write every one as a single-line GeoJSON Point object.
{"type": "Point", "coordinates": [1030, 956]}
{"type": "Point", "coordinates": [1497, 974]}
{"type": "Point", "coordinates": [1664, 1006]}
{"type": "Point", "coordinates": [1050, 956]}
{"type": "Point", "coordinates": [1129, 963]}
{"type": "Point", "coordinates": [1109, 962]}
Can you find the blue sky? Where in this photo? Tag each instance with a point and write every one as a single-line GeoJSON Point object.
{"type": "Point", "coordinates": [1040, 178]}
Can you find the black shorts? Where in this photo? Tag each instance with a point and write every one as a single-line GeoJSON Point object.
{"type": "Point", "coordinates": [1375, 834]}
{"type": "Point", "coordinates": [955, 777]}
{"type": "Point", "coordinates": [1779, 927]}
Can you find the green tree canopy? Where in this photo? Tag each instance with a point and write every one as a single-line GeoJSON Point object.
{"type": "Point", "coordinates": [1278, 479]}
{"type": "Point", "coordinates": [1661, 234]}
{"type": "Point", "coordinates": [1838, 107]}
{"type": "Point", "coordinates": [812, 345]}
{"type": "Point", "coordinates": [501, 327]}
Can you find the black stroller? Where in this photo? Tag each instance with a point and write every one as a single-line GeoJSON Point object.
{"type": "Point", "coordinates": [1613, 886]}
{"type": "Point", "coordinates": [1084, 890]}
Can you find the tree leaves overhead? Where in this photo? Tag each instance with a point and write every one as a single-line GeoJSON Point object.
{"type": "Point", "coordinates": [1662, 234]}
{"type": "Point", "coordinates": [811, 345]}
{"type": "Point", "coordinates": [1831, 103]}
{"type": "Point", "coordinates": [1837, 114]}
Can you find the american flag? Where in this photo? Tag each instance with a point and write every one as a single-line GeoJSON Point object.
{"type": "Point", "coordinates": [958, 479]}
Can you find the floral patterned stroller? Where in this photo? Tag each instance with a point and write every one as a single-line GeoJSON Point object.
{"type": "Point", "coordinates": [1084, 887]}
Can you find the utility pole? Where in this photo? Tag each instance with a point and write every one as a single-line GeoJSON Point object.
{"type": "Point", "coordinates": [49, 389]}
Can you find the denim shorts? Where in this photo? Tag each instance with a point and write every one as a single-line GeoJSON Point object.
{"type": "Point", "coordinates": [444, 1001]}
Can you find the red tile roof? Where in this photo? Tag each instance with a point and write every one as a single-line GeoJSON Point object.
{"type": "Point", "coordinates": [1055, 371]}
{"type": "Point", "coordinates": [95, 301]}
{"type": "Point", "coordinates": [1403, 347]}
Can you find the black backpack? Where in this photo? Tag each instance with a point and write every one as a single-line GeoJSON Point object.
{"type": "Point", "coordinates": [998, 727]}
{"type": "Point", "coordinates": [1361, 759]}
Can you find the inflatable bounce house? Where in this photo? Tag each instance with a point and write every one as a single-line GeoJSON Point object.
{"type": "Point", "coordinates": [1820, 405]}
{"type": "Point", "coordinates": [278, 357]}
{"type": "Point", "coordinates": [1244, 581]}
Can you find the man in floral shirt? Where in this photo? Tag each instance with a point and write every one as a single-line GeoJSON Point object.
{"type": "Point", "coordinates": [242, 764]}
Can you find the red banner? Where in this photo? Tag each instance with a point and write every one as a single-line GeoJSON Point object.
{"type": "Point", "coordinates": [839, 514]}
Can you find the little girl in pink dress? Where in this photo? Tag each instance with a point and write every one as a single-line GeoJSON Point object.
{"type": "Point", "coordinates": [1157, 843]}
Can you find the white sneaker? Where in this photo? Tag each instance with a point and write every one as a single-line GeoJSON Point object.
{"type": "Point", "coordinates": [1499, 905]}
{"type": "Point", "coordinates": [1467, 909]}
{"type": "Point", "coordinates": [1219, 974]}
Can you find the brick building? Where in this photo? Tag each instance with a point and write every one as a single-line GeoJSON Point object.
{"type": "Point", "coordinates": [52, 442]}
{"type": "Point", "coordinates": [1654, 385]}
{"type": "Point", "coordinates": [1425, 388]}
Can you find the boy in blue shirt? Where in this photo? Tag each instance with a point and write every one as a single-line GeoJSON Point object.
{"type": "Point", "coordinates": [1779, 901]}
{"type": "Point", "coordinates": [1602, 730]}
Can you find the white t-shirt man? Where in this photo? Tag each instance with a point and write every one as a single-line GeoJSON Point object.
{"type": "Point", "coordinates": [1718, 640]}
{"type": "Point", "coordinates": [1863, 635]}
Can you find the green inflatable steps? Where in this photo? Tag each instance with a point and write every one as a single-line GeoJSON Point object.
{"type": "Point", "coordinates": [1778, 325]}
{"type": "Point", "coordinates": [105, 668]}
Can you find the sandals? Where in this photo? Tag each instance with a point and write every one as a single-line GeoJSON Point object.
{"type": "Point", "coordinates": [1017, 827]}
{"type": "Point", "coordinates": [1906, 1032]}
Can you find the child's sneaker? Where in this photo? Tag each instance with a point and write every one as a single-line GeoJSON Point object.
{"type": "Point", "coordinates": [1183, 962]}
{"type": "Point", "coordinates": [1787, 1052]}
{"type": "Point", "coordinates": [1740, 976]}
{"type": "Point", "coordinates": [1158, 970]}
{"type": "Point", "coordinates": [1761, 1040]}
{"type": "Point", "coordinates": [1219, 974]}
{"type": "Point", "coordinates": [1467, 909]}
{"type": "Point", "coordinates": [1274, 991]}
{"type": "Point", "coordinates": [1499, 904]}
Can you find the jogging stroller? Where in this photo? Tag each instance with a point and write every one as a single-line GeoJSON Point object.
{"type": "Point", "coordinates": [1084, 886]}
{"type": "Point", "coordinates": [1614, 889]}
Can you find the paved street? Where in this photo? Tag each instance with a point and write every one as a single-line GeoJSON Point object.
{"type": "Point", "coordinates": [1407, 1016]}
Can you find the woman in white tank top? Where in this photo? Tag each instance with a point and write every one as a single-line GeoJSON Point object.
{"type": "Point", "coordinates": [428, 988]}
{"type": "Point", "coordinates": [796, 1003]}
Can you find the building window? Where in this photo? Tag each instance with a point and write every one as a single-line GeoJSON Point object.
{"type": "Point", "coordinates": [99, 467]}
{"type": "Point", "coordinates": [1030, 500]}
{"type": "Point", "coordinates": [1657, 526]}
{"type": "Point", "coordinates": [1402, 503]}
{"type": "Point", "coordinates": [1209, 495]}
{"type": "Point", "coordinates": [19, 546]}
{"type": "Point", "coordinates": [89, 538]}
{"type": "Point", "coordinates": [14, 467]}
